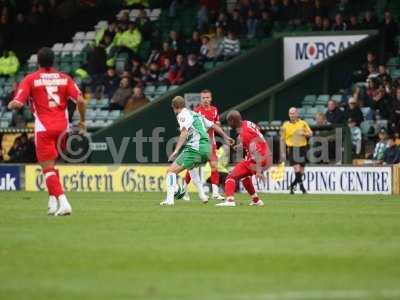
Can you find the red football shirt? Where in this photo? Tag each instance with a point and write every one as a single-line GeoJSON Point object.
{"type": "Point", "coordinates": [211, 114]}
{"type": "Point", "coordinates": [48, 91]}
{"type": "Point", "coordinates": [250, 136]}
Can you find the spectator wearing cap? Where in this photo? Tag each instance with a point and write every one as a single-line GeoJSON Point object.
{"type": "Point", "coordinates": [356, 136]}
{"type": "Point", "coordinates": [354, 112]}
{"type": "Point", "coordinates": [380, 146]}
{"type": "Point", "coordinates": [392, 153]}
{"type": "Point", "coordinates": [334, 115]}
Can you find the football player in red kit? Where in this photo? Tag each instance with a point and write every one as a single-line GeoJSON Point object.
{"type": "Point", "coordinates": [210, 112]}
{"type": "Point", "coordinates": [48, 92]}
{"type": "Point", "coordinates": [258, 158]}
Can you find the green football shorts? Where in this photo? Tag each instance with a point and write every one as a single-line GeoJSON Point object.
{"type": "Point", "coordinates": [190, 158]}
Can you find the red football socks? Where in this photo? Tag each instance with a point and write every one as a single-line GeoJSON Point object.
{"type": "Point", "coordinates": [53, 182]}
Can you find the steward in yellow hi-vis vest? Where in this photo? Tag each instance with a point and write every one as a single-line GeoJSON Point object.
{"type": "Point", "coordinates": [294, 137]}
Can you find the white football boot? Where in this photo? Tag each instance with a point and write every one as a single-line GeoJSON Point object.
{"type": "Point", "coordinates": [186, 197]}
{"type": "Point", "coordinates": [52, 205]}
{"type": "Point", "coordinates": [258, 203]}
{"type": "Point", "coordinates": [167, 203]}
{"type": "Point", "coordinates": [218, 197]}
{"type": "Point", "coordinates": [65, 208]}
{"type": "Point", "coordinates": [227, 203]}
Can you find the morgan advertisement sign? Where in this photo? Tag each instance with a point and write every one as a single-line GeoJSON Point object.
{"type": "Point", "coordinates": [301, 53]}
{"type": "Point", "coordinates": [334, 180]}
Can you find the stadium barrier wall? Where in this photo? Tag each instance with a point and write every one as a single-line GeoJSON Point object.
{"type": "Point", "coordinates": [10, 178]}
{"type": "Point", "coordinates": [231, 83]}
{"type": "Point", "coordinates": [150, 178]}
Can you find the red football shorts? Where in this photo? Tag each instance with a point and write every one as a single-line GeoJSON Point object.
{"type": "Point", "coordinates": [248, 167]}
{"type": "Point", "coordinates": [49, 143]}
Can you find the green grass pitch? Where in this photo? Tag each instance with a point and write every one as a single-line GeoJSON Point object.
{"type": "Point", "coordinates": [125, 246]}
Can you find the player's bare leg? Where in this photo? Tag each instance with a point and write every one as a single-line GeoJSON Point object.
{"type": "Point", "coordinates": [248, 185]}
{"type": "Point", "coordinates": [186, 182]}
{"type": "Point", "coordinates": [58, 202]}
{"type": "Point", "coordinates": [215, 181]}
{"type": "Point", "coordinates": [170, 180]}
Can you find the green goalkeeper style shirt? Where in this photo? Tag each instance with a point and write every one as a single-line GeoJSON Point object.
{"type": "Point", "coordinates": [196, 126]}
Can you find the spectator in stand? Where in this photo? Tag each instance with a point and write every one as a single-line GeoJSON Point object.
{"type": "Point", "coordinates": [391, 155]}
{"type": "Point", "coordinates": [334, 115]}
{"type": "Point", "coordinates": [192, 68]}
{"type": "Point", "coordinates": [383, 73]}
{"type": "Point", "coordinates": [164, 71]}
{"type": "Point", "coordinates": [340, 24]}
{"type": "Point", "coordinates": [251, 24]}
{"type": "Point", "coordinates": [16, 151]}
{"type": "Point", "coordinates": [194, 44]}
{"type": "Point", "coordinates": [175, 72]}
{"type": "Point", "coordinates": [144, 25]}
{"type": "Point", "coordinates": [154, 74]}
{"type": "Point", "coordinates": [320, 9]}
{"type": "Point", "coordinates": [236, 23]}
{"type": "Point", "coordinates": [137, 100]}
{"type": "Point", "coordinates": [144, 75]}
{"type": "Point", "coordinates": [287, 12]}
{"type": "Point", "coordinates": [395, 113]}
{"type": "Point", "coordinates": [320, 119]}
{"type": "Point", "coordinates": [275, 9]}
{"type": "Point", "coordinates": [230, 46]}
{"type": "Point", "coordinates": [317, 26]}
{"type": "Point", "coordinates": [354, 112]}
{"type": "Point", "coordinates": [9, 63]}
{"type": "Point", "coordinates": [363, 73]}
{"type": "Point", "coordinates": [380, 146]}
{"type": "Point", "coordinates": [389, 29]}
{"type": "Point", "coordinates": [111, 82]}
{"type": "Point", "coordinates": [122, 95]}
{"type": "Point", "coordinates": [380, 104]}
{"type": "Point", "coordinates": [166, 53]}
{"type": "Point", "coordinates": [265, 25]}
{"type": "Point", "coordinates": [353, 24]}
{"type": "Point", "coordinates": [369, 21]}
{"type": "Point", "coordinates": [216, 42]}
{"type": "Point", "coordinates": [356, 136]}
{"type": "Point", "coordinates": [202, 18]}
{"type": "Point", "coordinates": [326, 25]}
{"type": "Point", "coordinates": [175, 42]}
{"type": "Point", "coordinates": [222, 21]}
{"type": "Point", "coordinates": [205, 48]}
{"type": "Point", "coordinates": [131, 39]}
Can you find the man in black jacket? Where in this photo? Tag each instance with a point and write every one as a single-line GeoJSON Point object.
{"type": "Point", "coordinates": [334, 115]}
{"type": "Point", "coordinates": [354, 112]}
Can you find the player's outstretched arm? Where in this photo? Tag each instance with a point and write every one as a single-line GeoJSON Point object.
{"type": "Point", "coordinates": [222, 133]}
{"type": "Point", "coordinates": [181, 141]}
